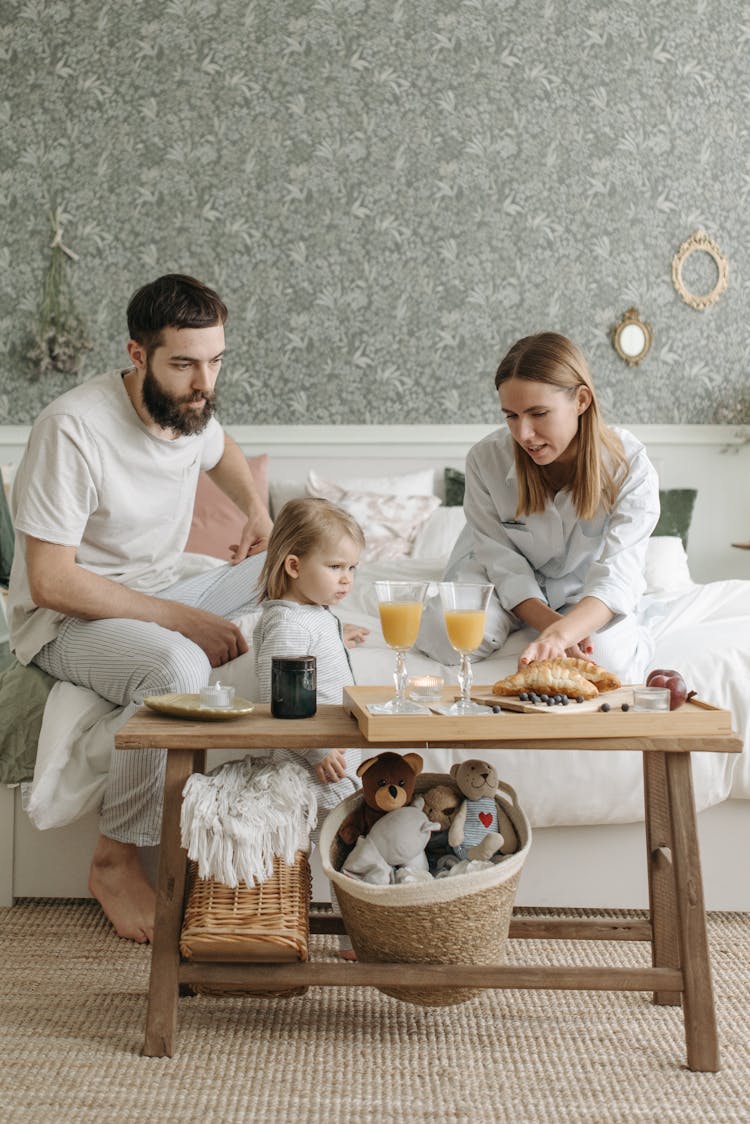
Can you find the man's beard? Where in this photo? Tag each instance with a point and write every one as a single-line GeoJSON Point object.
{"type": "Point", "coordinates": [170, 413]}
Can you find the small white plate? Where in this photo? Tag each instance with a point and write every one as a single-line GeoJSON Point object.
{"type": "Point", "coordinates": [189, 706]}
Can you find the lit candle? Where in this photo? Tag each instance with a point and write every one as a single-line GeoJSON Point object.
{"type": "Point", "coordinates": [426, 686]}
{"type": "Point", "coordinates": [216, 694]}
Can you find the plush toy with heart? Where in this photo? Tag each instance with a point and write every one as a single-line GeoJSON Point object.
{"type": "Point", "coordinates": [476, 831]}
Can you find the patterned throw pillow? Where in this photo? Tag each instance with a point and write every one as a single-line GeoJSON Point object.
{"type": "Point", "coordinates": [390, 523]}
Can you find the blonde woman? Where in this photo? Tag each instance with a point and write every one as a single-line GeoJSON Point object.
{"type": "Point", "coordinates": [559, 509]}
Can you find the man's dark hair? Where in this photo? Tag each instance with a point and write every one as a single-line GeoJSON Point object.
{"type": "Point", "coordinates": [172, 301]}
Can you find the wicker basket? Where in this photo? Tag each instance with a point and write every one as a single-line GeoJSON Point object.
{"type": "Point", "coordinates": [266, 924]}
{"type": "Point", "coordinates": [459, 920]}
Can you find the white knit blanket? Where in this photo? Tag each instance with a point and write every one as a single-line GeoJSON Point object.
{"type": "Point", "coordinates": [236, 818]}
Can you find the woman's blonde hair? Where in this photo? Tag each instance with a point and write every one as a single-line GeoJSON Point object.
{"type": "Point", "coordinates": [554, 360]}
{"type": "Point", "coordinates": [301, 526]}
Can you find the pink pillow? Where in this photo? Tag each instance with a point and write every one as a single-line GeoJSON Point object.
{"type": "Point", "coordinates": [217, 522]}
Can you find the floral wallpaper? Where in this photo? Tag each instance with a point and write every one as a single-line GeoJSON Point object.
{"type": "Point", "coordinates": [387, 193]}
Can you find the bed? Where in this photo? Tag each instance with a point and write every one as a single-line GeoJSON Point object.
{"type": "Point", "coordinates": [575, 802]}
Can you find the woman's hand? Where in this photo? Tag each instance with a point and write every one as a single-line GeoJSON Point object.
{"type": "Point", "coordinates": [552, 644]}
{"type": "Point", "coordinates": [567, 635]}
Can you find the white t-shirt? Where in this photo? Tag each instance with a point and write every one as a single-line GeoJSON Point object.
{"type": "Point", "coordinates": [93, 477]}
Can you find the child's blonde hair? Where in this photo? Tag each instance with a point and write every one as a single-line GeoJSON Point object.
{"type": "Point", "coordinates": [556, 361]}
{"type": "Point", "coordinates": [301, 526]}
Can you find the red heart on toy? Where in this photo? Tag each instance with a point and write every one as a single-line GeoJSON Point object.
{"type": "Point", "coordinates": [485, 818]}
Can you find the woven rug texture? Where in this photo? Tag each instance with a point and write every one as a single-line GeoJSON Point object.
{"type": "Point", "coordinates": [74, 1003]}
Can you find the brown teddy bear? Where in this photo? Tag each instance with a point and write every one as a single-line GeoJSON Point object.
{"type": "Point", "coordinates": [388, 781]}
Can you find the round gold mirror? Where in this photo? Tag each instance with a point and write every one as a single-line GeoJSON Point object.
{"type": "Point", "coordinates": [701, 243]}
{"type": "Point", "coordinates": [632, 337]}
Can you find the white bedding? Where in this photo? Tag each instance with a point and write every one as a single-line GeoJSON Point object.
{"type": "Point", "coordinates": [704, 633]}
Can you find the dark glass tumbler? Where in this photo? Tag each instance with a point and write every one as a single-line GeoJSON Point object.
{"type": "Point", "coordinates": [293, 686]}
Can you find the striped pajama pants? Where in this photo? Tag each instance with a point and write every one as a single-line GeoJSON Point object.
{"type": "Point", "coordinates": [124, 661]}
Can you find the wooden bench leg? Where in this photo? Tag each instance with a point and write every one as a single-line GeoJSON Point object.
{"type": "Point", "coordinates": [662, 894]}
{"type": "Point", "coordinates": [698, 999]}
{"type": "Point", "coordinates": [161, 1018]}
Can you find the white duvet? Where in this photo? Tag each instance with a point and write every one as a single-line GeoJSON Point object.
{"type": "Point", "coordinates": [704, 633]}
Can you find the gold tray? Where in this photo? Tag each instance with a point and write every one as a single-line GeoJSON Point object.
{"type": "Point", "coordinates": [189, 706]}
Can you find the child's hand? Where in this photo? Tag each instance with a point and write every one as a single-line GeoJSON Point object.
{"type": "Point", "coordinates": [354, 635]}
{"type": "Point", "coordinates": [332, 767]}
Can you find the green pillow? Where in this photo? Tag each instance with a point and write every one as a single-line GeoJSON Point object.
{"type": "Point", "coordinates": [23, 693]}
{"type": "Point", "coordinates": [676, 505]}
{"type": "Point", "coordinates": [454, 482]}
{"type": "Point", "coordinates": [7, 538]}
{"type": "Point", "coordinates": [676, 512]}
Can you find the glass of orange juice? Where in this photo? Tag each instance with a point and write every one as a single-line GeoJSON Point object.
{"type": "Point", "coordinates": [400, 605]}
{"type": "Point", "coordinates": [465, 611]}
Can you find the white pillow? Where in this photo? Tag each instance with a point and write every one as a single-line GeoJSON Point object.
{"type": "Point", "coordinates": [281, 491]}
{"type": "Point", "coordinates": [390, 522]}
{"type": "Point", "coordinates": [420, 483]}
{"type": "Point", "coordinates": [438, 535]}
{"type": "Point", "coordinates": [667, 566]}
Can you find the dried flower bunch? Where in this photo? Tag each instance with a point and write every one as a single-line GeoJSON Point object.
{"type": "Point", "coordinates": [60, 335]}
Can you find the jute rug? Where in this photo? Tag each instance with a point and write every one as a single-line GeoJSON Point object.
{"type": "Point", "coordinates": [74, 1001]}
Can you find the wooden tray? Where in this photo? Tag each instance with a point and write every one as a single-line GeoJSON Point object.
{"type": "Point", "coordinates": [704, 727]}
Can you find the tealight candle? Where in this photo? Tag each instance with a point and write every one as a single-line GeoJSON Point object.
{"type": "Point", "coordinates": [217, 694]}
{"type": "Point", "coordinates": [426, 688]}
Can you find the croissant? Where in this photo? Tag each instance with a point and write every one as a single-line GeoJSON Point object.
{"type": "Point", "coordinates": [601, 678]}
{"type": "Point", "coordinates": [571, 677]}
{"type": "Point", "coordinates": [550, 676]}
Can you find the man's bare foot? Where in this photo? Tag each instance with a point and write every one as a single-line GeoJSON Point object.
{"type": "Point", "coordinates": [119, 883]}
{"type": "Point", "coordinates": [347, 954]}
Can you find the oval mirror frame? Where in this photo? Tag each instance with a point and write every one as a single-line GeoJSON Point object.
{"type": "Point", "coordinates": [703, 243]}
{"type": "Point", "coordinates": [632, 337]}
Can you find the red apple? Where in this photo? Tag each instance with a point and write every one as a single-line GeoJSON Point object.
{"type": "Point", "coordinates": [674, 683]}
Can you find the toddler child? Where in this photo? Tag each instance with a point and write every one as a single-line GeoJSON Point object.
{"type": "Point", "coordinates": [310, 562]}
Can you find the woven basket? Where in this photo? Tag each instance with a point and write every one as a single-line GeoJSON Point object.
{"type": "Point", "coordinates": [266, 924]}
{"type": "Point", "coordinates": [459, 920]}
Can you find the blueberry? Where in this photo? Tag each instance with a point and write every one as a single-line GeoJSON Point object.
{"type": "Point", "coordinates": [558, 699]}
{"type": "Point", "coordinates": [544, 698]}
{"type": "Point", "coordinates": [565, 700]}
{"type": "Point", "coordinates": [524, 696]}
{"type": "Point", "coordinates": [497, 709]}
{"type": "Point", "coordinates": [550, 702]}
{"type": "Point", "coordinates": [626, 706]}
{"type": "Point", "coordinates": [605, 707]}
{"type": "Point", "coordinates": [579, 698]}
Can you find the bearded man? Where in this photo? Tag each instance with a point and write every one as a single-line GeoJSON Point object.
{"type": "Point", "coordinates": [102, 504]}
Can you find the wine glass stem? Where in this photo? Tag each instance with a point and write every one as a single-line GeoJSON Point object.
{"type": "Point", "coordinates": [400, 676]}
{"type": "Point", "coordinates": [465, 677]}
